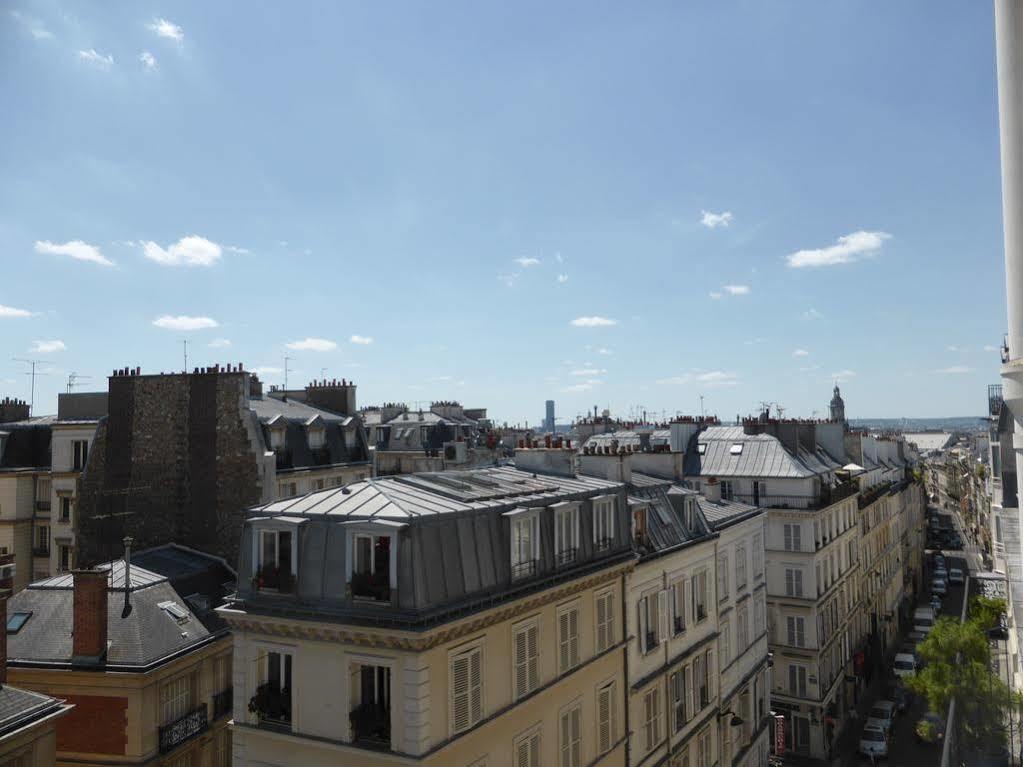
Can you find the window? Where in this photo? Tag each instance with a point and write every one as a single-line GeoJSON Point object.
{"type": "Point", "coordinates": [273, 698]}
{"type": "Point", "coordinates": [797, 680]}
{"type": "Point", "coordinates": [371, 567]}
{"type": "Point", "coordinates": [65, 508]}
{"type": "Point", "coordinates": [678, 606]}
{"type": "Point", "coordinates": [703, 745]}
{"type": "Point", "coordinates": [699, 596]}
{"type": "Point", "coordinates": [726, 489]}
{"type": "Point", "coordinates": [735, 449]}
{"type": "Point", "coordinates": [603, 523]}
{"type": "Point", "coordinates": [525, 545]}
{"type": "Point", "coordinates": [276, 437]}
{"type": "Point", "coordinates": [16, 621]}
{"type": "Point", "coordinates": [571, 737]}
{"type": "Point", "coordinates": [793, 536]}
{"type": "Point", "coordinates": [653, 620]}
{"type": "Point", "coordinates": [606, 717]}
{"type": "Point", "coordinates": [568, 639]}
{"type": "Point", "coordinates": [758, 615]}
{"type": "Point", "coordinates": [740, 568]}
{"type": "Point", "coordinates": [652, 718]}
{"type": "Point", "coordinates": [566, 533]}
{"type": "Point", "coordinates": [275, 560]}
{"type": "Point", "coordinates": [288, 489]}
{"type": "Point", "coordinates": [317, 438]}
{"type": "Point", "coordinates": [64, 558]}
{"type": "Point", "coordinates": [742, 626]}
{"type": "Point", "coordinates": [80, 453]}
{"type": "Point", "coordinates": [701, 672]}
{"type": "Point", "coordinates": [527, 750]}
{"type": "Point", "coordinates": [701, 448]}
{"type": "Point", "coordinates": [725, 642]}
{"type": "Point", "coordinates": [43, 539]}
{"type": "Point", "coordinates": [796, 631]}
{"type": "Point", "coordinates": [466, 689]}
{"type": "Point", "coordinates": [605, 620]}
{"type": "Point", "coordinates": [319, 484]}
{"type": "Point", "coordinates": [793, 582]}
{"type": "Point", "coordinates": [722, 576]}
{"type": "Point", "coordinates": [526, 645]}
{"type": "Point", "coordinates": [176, 698]}
{"type": "Point", "coordinates": [681, 697]}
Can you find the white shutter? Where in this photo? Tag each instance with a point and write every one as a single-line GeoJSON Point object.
{"type": "Point", "coordinates": [521, 664]}
{"type": "Point", "coordinates": [476, 686]}
{"type": "Point", "coordinates": [603, 642]}
{"type": "Point", "coordinates": [573, 637]}
{"type": "Point", "coordinates": [564, 660]}
{"type": "Point", "coordinates": [565, 727]}
{"type": "Point", "coordinates": [712, 673]}
{"type": "Point", "coordinates": [522, 753]}
{"type": "Point", "coordinates": [533, 649]}
{"type": "Point", "coordinates": [534, 750]}
{"type": "Point", "coordinates": [662, 616]}
{"type": "Point", "coordinates": [642, 624]}
{"type": "Point", "coordinates": [690, 704]}
{"type": "Point", "coordinates": [609, 612]}
{"type": "Point", "coordinates": [604, 728]}
{"type": "Point", "coordinates": [460, 716]}
{"type": "Point", "coordinates": [576, 753]}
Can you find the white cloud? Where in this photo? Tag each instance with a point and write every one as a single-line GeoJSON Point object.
{"type": "Point", "coordinates": [712, 378]}
{"type": "Point", "coordinates": [312, 345]}
{"type": "Point", "coordinates": [715, 295]}
{"type": "Point", "coordinates": [148, 61]}
{"type": "Point", "coordinates": [604, 351]}
{"type": "Point", "coordinates": [188, 251]}
{"type": "Point", "coordinates": [584, 386]}
{"type": "Point", "coordinates": [219, 343]}
{"type": "Point", "coordinates": [990, 348]}
{"type": "Point", "coordinates": [167, 29]}
{"type": "Point", "coordinates": [526, 261]}
{"type": "Point", "coordinates": [97, 59]}
{"type": "Point", "coordinates": [509, 280]}
{"type": "Point", "coordinates": [843, 375]}
{"type": "Point", "coordinates": [76, 249]}
{"type": "Point", "coordinates": [236, 249]}
{"type": "Point", "coordinates": [849, 248]}
{"type": "Point", "coordinates": [714, 220]}
{"type": "Point", "coordinates": [562, 279]}
{"type": "Point", "coordinates": [955, 370]}
{"type": "Point", "coordinates": [361, 340]}
{"type": "Point", "coordinates": [33, 26]}
{"type": "Point", "coordinates": [589, 372]}
{"type": "Point", "coordinates": [800, 353]}
{"type": "Point", "coordinates": [48, 347]}
{"type": "Point", "coordinates": [593, 322]}
{"type": "Point", "coordinates": [10, 311]}
{"type": "Point", "coordinates": [736, 290]}
{"type": "Point", "coordinates": [812, 314]}
{"type": "Point", "coordinates": [184, 322]}
{"type": "Point", "coordinates": [267, 371]}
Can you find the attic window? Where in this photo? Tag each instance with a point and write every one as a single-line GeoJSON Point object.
{"type": "Point", "coordinates": [16, 621]}
{"type": "Point", "coordinates": [276, 437]}
{"type": "Point", "coordinates": [736, 449]}
{"type": "Point", "coordinates": [174, 610]}
{"type": "Point", "coordinates": [317, 437]}
{"type": "Point", "coordinates": [701, 448]}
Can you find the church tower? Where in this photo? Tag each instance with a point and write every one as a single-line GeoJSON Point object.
{"type": "Point", "coordinates": [837, 406]}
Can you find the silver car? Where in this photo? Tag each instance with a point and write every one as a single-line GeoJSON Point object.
{"type": "Point", "coordinates": [873, 741]}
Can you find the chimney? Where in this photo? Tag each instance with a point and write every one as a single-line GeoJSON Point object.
{"type": "Point", "coordinates": [126, 610]}
{"type": "Point", "coordinates": [4, 594]}
{"type": "Point", "coordinates": [89, 635]}
{"type": "Point", "coordinates": [712, 490]}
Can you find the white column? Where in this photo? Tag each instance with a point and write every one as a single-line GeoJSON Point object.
{"type": "Point", "coordinates": [1008, 37]}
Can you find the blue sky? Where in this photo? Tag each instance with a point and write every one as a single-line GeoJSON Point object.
{"type": "Point", "coordinates": [588, 202]}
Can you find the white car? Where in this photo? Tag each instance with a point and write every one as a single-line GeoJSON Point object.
{"type": "Point", "coordinates": [955, 575]}
{"type": "Point", "coordinates": [882, 713]}
{"type": "Point", "coordinates": [938, 586]}
{"type": "Point", "coordinates": [904, 665]}
{"type": "Point", "coordinates": [873, 741]}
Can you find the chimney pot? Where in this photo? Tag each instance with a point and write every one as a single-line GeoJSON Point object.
{"type": "Point", "coordinates": [89, 638]}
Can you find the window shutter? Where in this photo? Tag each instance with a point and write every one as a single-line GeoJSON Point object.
{"type": "Point", "coordinates": [573, 637]}
{"type": "Point", "coordinates": [476, 686]}
{"type": "Point", "coordinates": [576, 754]}
{"type": "Point", "coordinates": [533, 650]}
{"type": "Point", "coordinates": [711, 673]}
{"type": "Point", "coordinates": [662, 616]}
{"type": "Point", "coordinates": [602, 640]}
{"type": "Point", "coordinates": [642, 625]}
{"type": "Point", "coordinates": [609, 612]}
{"type": "Point", "coordinates": [564, 661]}
{"type": "Point", "coordinates": [690, 708]}
{"type": "Point", "coordinates": [522, 753]}
{"type": "Point", "coordinates": [604, 733]}
{"type": "Point", "coordinates": [521, 664]}
{"type": "Point", "coordinates": [460, 692]}
{"type": "Point", "coordinates": [534, 750]}
{"type": "Point", "coordinates": [566, 739]}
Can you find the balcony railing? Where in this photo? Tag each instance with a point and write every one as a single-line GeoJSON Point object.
{"type": "Point", "coordinates": [223, 702]}
{"type": "Point", "coordinates": [523, 569]}
{"type": "Point", "coordinates": [566, 557]}
{"type": "Point", "coordinates": [272, 578]}
{"type": "Point", "coordinates": [375, 586]}
{"type": "Point", "coordinates": [187, 727]}
{"type": "Point", "coordinates": [371, 725]}
{"type": "Point", "coordinates": [42, 505]}
{"type": "Point", "coordinates": [828, 496]}
{"type": "Point", "coordinates": [603, 544]}
{"type": "Point", "coordinates": [273, 707]}
{"type": "Point", "coordinates": [40, 551]}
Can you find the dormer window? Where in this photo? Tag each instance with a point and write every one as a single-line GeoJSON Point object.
{"type": "Point", "coordinates": [371, 567]}
{"type": "Point", "coordinates": [566, 533]}
{"type": "Point", "coordinates": [701, 448]}
{"type": "Point", "coordinates": [525, 542]}
{"type": "Point", "coordinates": [603, 522]}
{"type": "Point", "coordinates": [276, 554]}
{"type": "Point", "coordinates": [317, 437]}
{"type": "Point", "coordinates": [277, 437]}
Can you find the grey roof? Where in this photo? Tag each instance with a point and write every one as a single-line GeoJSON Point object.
{"type": "Point", "coordinates": [268, 408]}
{"type": "Point", "coordinates": [762, 455]}
{"type": "Point", "coordinates": [26, 444]}
{"type": "Point", "coordinates": [630, 438]}
{"type": "Point", "coordinates": [344, 438]}
{"type": "Point", "coordinates": [145, 636]}
{"type": "Point", "coordinates": [19, 708]}
{"type": "Point", "coordinates": [721, 514]}
{"type": "Point", "coordinates": [929, 440]}
{"type": "Point", "coordinates": [426, 417]}
{"type": "Point", "coordinates": [408, 496]}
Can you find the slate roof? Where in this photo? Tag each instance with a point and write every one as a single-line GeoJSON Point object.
{"type": "Point", "coordinates": [762, 455]}
{"type": "Point", "coordinates": [26, 444]}
{"type": "Point", "coordinates": [19, 708]}
{"type": "Point", "coordinates": [202, 579]}
{"type": "Point", "coordinates": [428, 417]}
{"type": "Point", "coordinates": [721, 514]}
{"type": "Point", "coordinates": [344, 438]}
{"type": "Point", "coordinates": [268, 408]}
{"type": "Point", "coordinates": [144, 637]}
{"type": "Point", "coordinates": [629, 438]}
{"type": "Point", "coordinates": [929, 440]}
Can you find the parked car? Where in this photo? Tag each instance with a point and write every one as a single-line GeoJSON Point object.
{"type": "Point", "coordinates": [955, 543]}
{"type": "Point", "coordinates": [898, 694]}
{"type": "Point", "coordinates": [936, 604]}
{"type": "Point", "coordinates": [904, 665]}
{"type": "Point", "coordinates": [940, 572]}
{"type": "Point", "coordinates": [873, 741]}
{"type": "Point", "coordinates": [930, 728]}
{"type": "Point", "coordinates": [955, 575]}
{"type": "Point", "coordinates": [938, 586]}
{"type": "Point", "coordinates": [882, 712]}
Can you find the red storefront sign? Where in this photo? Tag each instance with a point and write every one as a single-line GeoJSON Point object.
{"type": "Point", "coordinates": [779, 734]}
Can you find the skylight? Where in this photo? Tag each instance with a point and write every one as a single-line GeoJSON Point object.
{"type": "Point", "coordinates": [701, 448]}
{"type": "Point", "coordinates": [16, 620]}
{"type": "Point", "coordinates": [174, 610]}
{"type": "Point", "coordinates": [736, 449]}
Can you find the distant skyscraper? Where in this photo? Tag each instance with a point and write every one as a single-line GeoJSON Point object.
{"type": "Point", "coordinates": [548, 421]}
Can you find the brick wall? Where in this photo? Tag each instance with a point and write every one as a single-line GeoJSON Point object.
{"type": "Point", "coordinates": [173, 461]}
{"type": "Point", "coordinates": [96, 725]}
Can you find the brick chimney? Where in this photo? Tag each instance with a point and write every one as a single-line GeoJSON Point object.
{"type": "Point", "coordinates": [13, 410]}
{"type": "Point", "coordinates": [336, 396]}
{"type": "Point", "coordinates": [712, 490]}
{"type": "Point", "coordinates": [90, 617]}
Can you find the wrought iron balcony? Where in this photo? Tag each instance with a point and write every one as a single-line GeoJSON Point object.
{"type": "Point", "coordinates": [603, 544]}
{"type": "Point", "coordinates": [566, 557]}
{"type": "Point", "coordinates": [524, 569]}
{"type": "Point", "coordinates": [223, 702]}
{"type": "Point", "coordinates": [181, 730]}
{"type": "Point", "coordinates": [273, 707]}
{"type": "Point", "coordinates": [270, 578]}
{"type": "Point", "coordinates": [371, 725]}
{"type": "Point", "coordinates": [375, 586]}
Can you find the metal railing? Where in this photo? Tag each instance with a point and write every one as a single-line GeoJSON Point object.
{"type": "Point", "coordinates": [524, 569]}
{"type": "Point", "coordinates": [565, 557]}
{"type": "Point", "coordinates": [828, 496]}
{"type": "Point", "coordinates": [376, 586]}
{"type": "Point", "coordinates": [371, 725]}
{"type": "Point", "coordinates": [40, 551]}
{"type": "Point", "coordinates": [223, 702]}
{"type": "Point", "coordinates": [183, 729]}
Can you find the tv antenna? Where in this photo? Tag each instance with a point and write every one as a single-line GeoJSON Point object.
{"type": "Point", "coordinates": [33, 373]}
{"type": "Point", "coordinates": [73, 379]}
{"type": "Point", "coordinates": [184, 347]}
{"type": "Point", "coordinates": [286, 361]}
{"type": "Point", "coordinates": [779, 410]}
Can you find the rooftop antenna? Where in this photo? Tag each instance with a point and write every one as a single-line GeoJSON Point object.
{"type": "Point", "coordinates": [779, 410]}
{"type": "Point", "coordinates": [33, 373]}
{"type": "Point", "coordinates": [286, 361]}
{"type": "Point", "coordinates": [184, 346]}
{"type": "Point", "coordinates": [323, 373]}
{"type": "Point", "coordinates": [73, 379]}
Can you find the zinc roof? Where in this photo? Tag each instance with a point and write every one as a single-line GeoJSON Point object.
{"type": "Point", "coordinates": [761, 455]}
